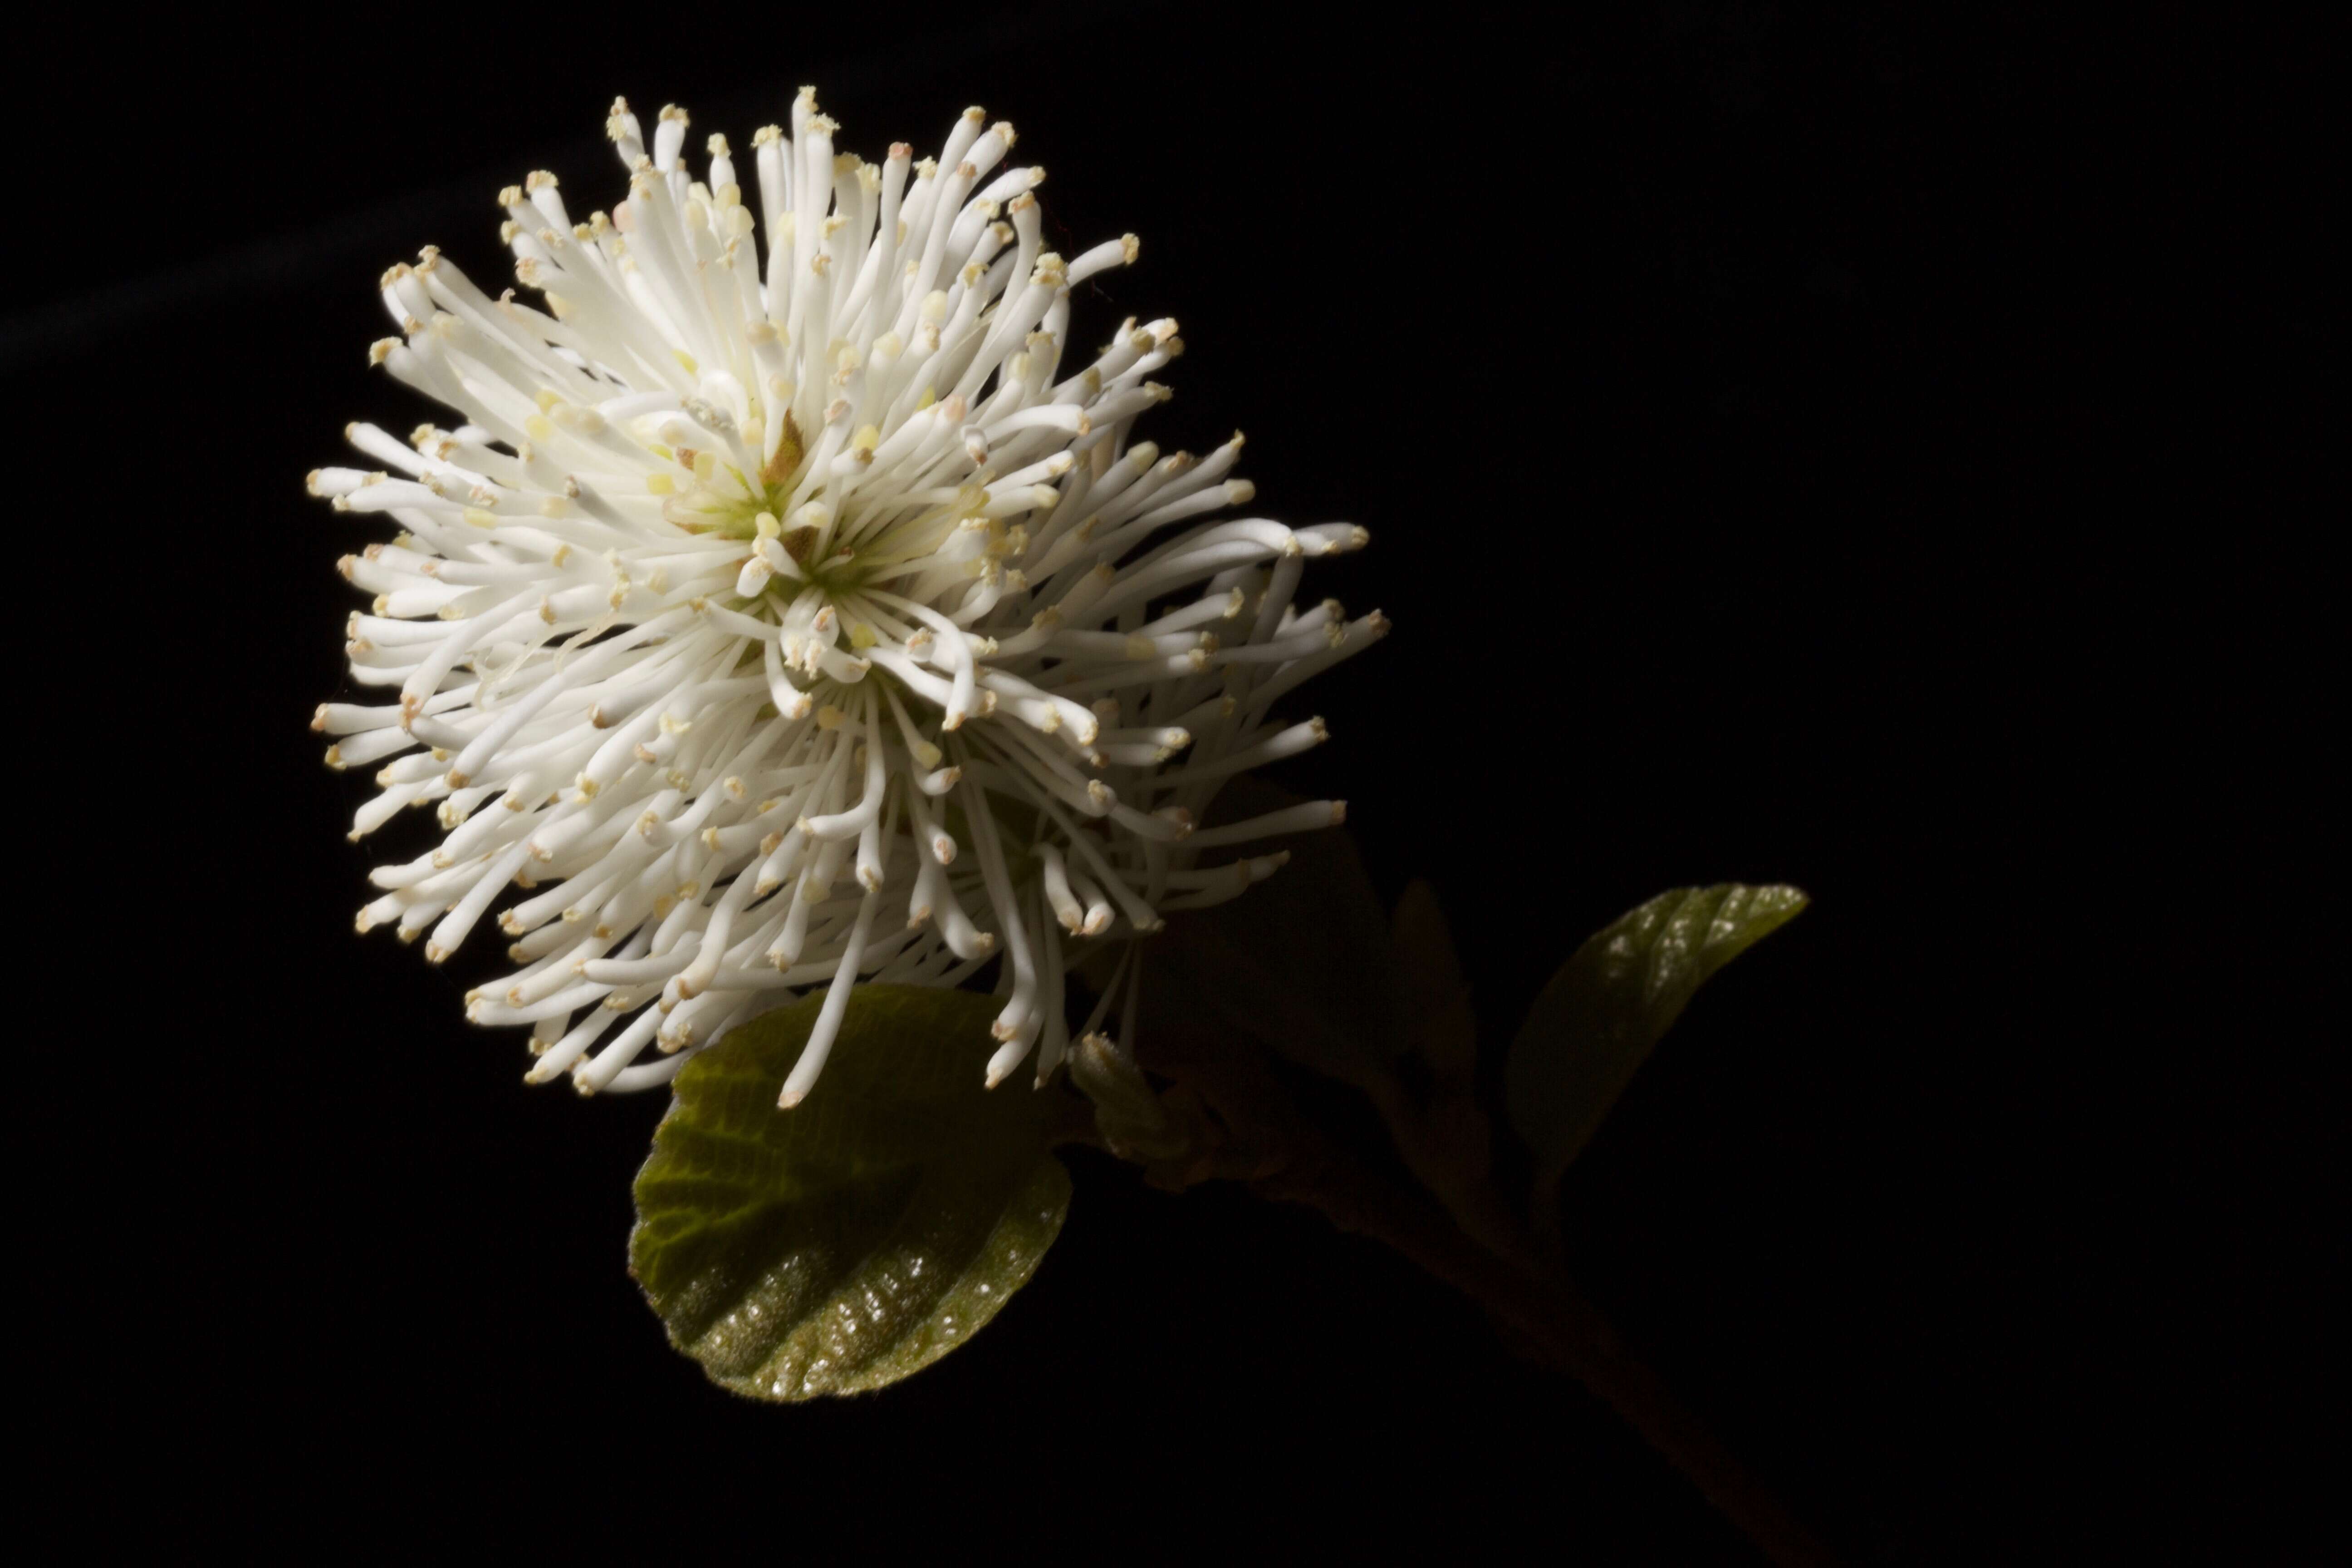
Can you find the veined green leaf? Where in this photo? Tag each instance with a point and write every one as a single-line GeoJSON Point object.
{"type": "Point", "coordinates": [1595, 1022]}
{"type": "Point", "coordinates": [859, 1236]}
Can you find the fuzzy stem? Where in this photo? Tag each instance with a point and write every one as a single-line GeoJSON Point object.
{"type": "Point", "coordinates": [1557, 1321]}
{"type": "Point", "coordinates": [1473, 1243]}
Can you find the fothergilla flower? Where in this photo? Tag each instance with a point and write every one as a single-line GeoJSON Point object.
{"type": "Point", "coordinates": [782, 609]}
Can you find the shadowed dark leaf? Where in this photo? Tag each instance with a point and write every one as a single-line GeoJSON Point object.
{"type": "Point", "coordinates": [1301, 962]}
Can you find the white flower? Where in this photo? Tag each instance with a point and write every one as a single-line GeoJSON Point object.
{"type": "Point", "coordinates": [744, 588]}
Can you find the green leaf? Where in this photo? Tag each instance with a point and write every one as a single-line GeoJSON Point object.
{"type": "Point", "coordinates": [1595, 1022]}
{"type": "Point", "coordinates": [1301, 962]}
{"type": "Point", "coordinates": [861, 1235]}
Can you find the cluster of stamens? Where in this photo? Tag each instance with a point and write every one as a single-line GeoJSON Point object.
{"type": "Point", "coordinates": [750, 593]}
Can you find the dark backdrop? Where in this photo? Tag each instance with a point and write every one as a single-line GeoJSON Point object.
{"type": "Point", "coordinates": [1806, 445]}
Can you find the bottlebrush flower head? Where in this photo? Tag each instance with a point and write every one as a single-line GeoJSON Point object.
{"type": "Point", "coordinates": [782, 609]}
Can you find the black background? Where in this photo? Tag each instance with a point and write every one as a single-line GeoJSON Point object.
{"type": "Point", "coordinates": [1817, 445]}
